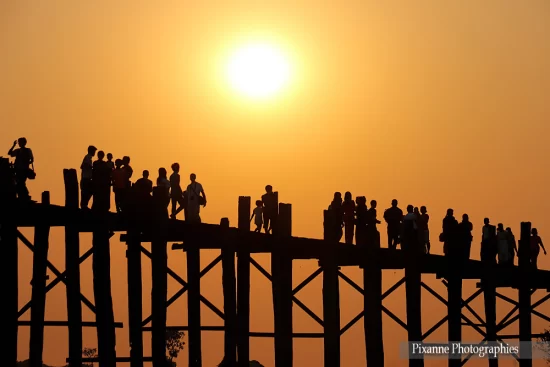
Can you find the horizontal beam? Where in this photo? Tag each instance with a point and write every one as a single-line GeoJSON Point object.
{"type": "Point", "coordinates": [253, 334]}
{"type": "Point", "coordinates": [118, 359]}
{"type": "Point", "coordinates": [118, 325]}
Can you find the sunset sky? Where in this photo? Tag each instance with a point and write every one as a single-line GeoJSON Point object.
{"type": "Point", "coordinates": [436, 103]}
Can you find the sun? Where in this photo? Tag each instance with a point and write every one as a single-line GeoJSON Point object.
{"type": "Point", "coordinates": [258, 71]}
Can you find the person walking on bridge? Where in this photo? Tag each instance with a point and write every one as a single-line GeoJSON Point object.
{"type": "Point", "coordinates": [271, 210]}
{"type": "Point", "coordinates": [348, 206]}
{"type": "Point", "coordinates": [23, 159]}
{"type": "Point", "coordinates": [393, 217]}
{"type": "Point", "coordinates": [86, 185]}
{"type": "Point", "coordinates": [176, 193]}
{"type": "Point", "coordinates": [194, 199]}
{"type": "Point", "coordinates": [536, 245]}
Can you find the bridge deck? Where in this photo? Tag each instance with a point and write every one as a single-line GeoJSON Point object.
{"type": "Point", "coordinates": [211, 236]}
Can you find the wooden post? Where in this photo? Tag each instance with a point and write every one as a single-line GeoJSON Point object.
{"type": "Point", "coordinates": [454, 307]}
{"type": "Point", "coordinates": [9, 268]}
{"type": "Point", "coordinates": [331, 299]}
{"type": "Point", "coordinates": [281, 271]}
{"type": "Point", "coordinates": [413, 301]}
{"type": "Point", "coordinates": [40, 259]}
{"type": "Point", "coordinates": [243, 286]}
{"type": "Point", "coordinates": [490, 299]}
{"type": "Point", "coordinates": [135, 294]}
{"type": "Point", "coordinates": [229, 300]}
{"type": "Point", "coordinates": [72, 264]}
{"type": "Point", "coordinates": [194, 306]}
{"type": "Point", "coordinates": [524, 295]}
{"type": "Point", "coordinates": [159, 262]}
{"type": "Point", "coordinates": [372, 284]}
{"type": "Point", "coordinates": [101, 268]}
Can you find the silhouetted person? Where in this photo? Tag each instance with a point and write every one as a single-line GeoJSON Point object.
{"type": "Point", "coordinates": [394, 217]}
{"type": "Point", "coordinates": [373, 236]}
{"type": "Point", "coordinates": [409, 236]}
{"type": "Point", "coordinates": [119, 185]}
{"type": "Point", "coordinates": [348, 206]}
{"type": "Point", "coordinates": [258, 214]}
{"type": "Point", "coordinates": [450, 226]}
{"type": "Point", "coordinates": [336, 217]}
{"type": "Point", "coordinates": [144, 186]}
{"type": "Point", "coordinates": [101, 180]}
{"type": "Point", "coordinates": [361, 221]}
{"type": "Point", "coordinates": [271, 209]}
{"type": "Point", "coordinates": [86, 185]}
{"type": "Point", "coordinates": [110, 162]}
{"type": "Point", "coordinates": [23, 160]}
{"type": "Point", "coordinates": [163, 189]}
{"type": "Point", "coordinates": [488, 242]}
{"type": "Point", "coordinates": [536, 245]}
{"type": "Point", "coordinates": [195, 200]}
{"type": "Point", "coordinates": [512, 246]}
{"type": "Point", "coordinates": [176, 193]}
{"type": "Point", "coordinates": [502, 245]}
{"type": "Point", "coordinates": [423, 231]}
{"type": "Point", "coordinates": [465, 236]}
{"type": "Point", "coordinates": [126, 176]}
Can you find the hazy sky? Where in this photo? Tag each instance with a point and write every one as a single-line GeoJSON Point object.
{"type": "Point", "coordinates": [436, 103]}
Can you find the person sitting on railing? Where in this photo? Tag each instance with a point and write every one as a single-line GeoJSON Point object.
{"type": "Point", "coordinates": [23, 159]}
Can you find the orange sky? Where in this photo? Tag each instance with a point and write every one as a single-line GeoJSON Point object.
{"type": "Point", "coordinates": [443, 104]}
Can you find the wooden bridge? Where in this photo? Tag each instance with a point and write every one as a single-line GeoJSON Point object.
{"type": "Point", "coordinates": [236, 246]}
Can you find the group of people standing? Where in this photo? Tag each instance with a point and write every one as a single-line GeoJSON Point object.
{"type": "Point", "coordinates": [266, 211]}
{"type": "Point", "coordinates": [100, 175]}
{"type": "Point", "coordinates": [347, 217]}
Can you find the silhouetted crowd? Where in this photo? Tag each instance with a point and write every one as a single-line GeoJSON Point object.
{"type": "Point", "coordinates": [346, 217]}
{"type": "Point", "coordinates": [99, 176]}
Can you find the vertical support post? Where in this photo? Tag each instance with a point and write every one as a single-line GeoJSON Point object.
{"type": "Point", "coordinates": [281, 272]}
{"type": "Point", "coordinates": [524, 296]}
{"type": "Point", "coordinates": [9, 269]}
{"type": "Point", "coordinates": [331, 299]}
{"type": "Point", "coordinates": [414, 302]}
{"type": "Point", "coordinates": [101, 267]}
{"type": "Point", "coordinates": [72, 264]}
{"type": "Point", "coordinates": [490, 299]}
{"type": "Point", "coordinates": [159, 265]}
{"type": "Point", "coordinates": [194, 306]}
{"type": "Point", "coordinates": [243, 286]}
{"type": "Point", "coordinates": [372, 284]}
{"type": "Point", "coordinates": [39, 261]}
{"type": "Point", "coordinates": [454, 307]}
{"type": "Point", "coordinates": [135, 295]}
{"type": "Point", "coordinates": [229, 299]}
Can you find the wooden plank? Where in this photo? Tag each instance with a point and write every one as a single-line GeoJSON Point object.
{"type": "Point", "coordinates": [243, 287]}
{"type": "Point", "coordinates": [372, 284]}
{"type": "Point", "coordinates": [159, 265]}
{"type": "Point", "coordinates": [229, 301]}
{"type": "Point", "coordinates": [101, 268]}
{"type": "Point", "coordinates": [194, 307]}
{"type": "Point", "coordinates": [72, 264]}
{"type": "Point", "coordinates": [281, 271]}
{"type": "Point", "coordinates": [9, 266]}
{"type": "Point", "coordinates": [135, 297]}
{"type": "Point", "coordinates": [38, 298]}
{"type": "Point", "coordinates": [489, 296]}
{"type": "Point", "coordinates": [525, 295]}
{"type": "Point", "coordinates": [331, 301]}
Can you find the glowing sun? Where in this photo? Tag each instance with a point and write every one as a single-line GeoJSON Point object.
{"type": "Point", "coordinates": [258, 71]}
